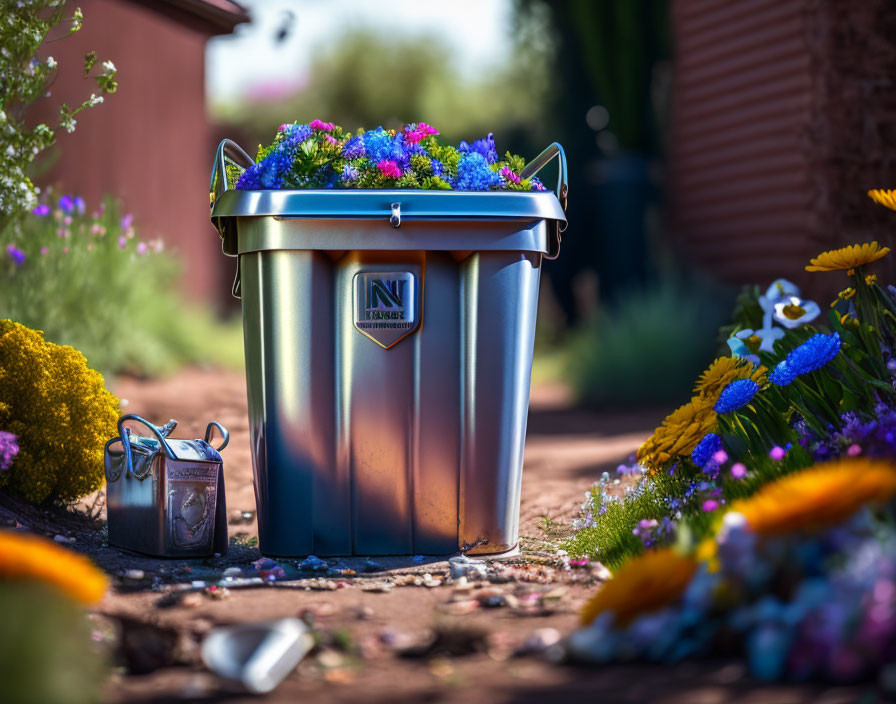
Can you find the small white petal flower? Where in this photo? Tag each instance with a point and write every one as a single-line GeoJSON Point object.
{"type": "Point", "coordinates": [795, 311]}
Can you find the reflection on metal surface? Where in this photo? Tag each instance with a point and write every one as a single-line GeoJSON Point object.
{"type": "Point", "coordinates": [165, 497]}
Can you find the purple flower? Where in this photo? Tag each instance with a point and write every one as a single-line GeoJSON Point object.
{"type": "Point", "coordinates": [67, 205]}
{"type": "Point", "coordinates": [777, 453]}
{"type": "Point", "coordinates": [126, 221]}
{"type": "Point", "coordinates": [142, 248]}
{"type": "Point", "coordinates": [122, 242]}
{"type": "Point", "coordinates": [349, 173]}
{"type": "Point", "coordinates": [9, 448]}
{"type": "Point", "coordinates": [485, 147]}
{"type": "Point", "coordinates": [738, 470]}
{"type": "Point", "coordinates": [41, 210]}
{"type": "Point", "coordinates": [16, 254]}
{"type": "Point", "coordinates": [79, 205]}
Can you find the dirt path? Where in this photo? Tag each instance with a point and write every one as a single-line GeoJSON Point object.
{"type": "Point", "coordinates": [381, 637]}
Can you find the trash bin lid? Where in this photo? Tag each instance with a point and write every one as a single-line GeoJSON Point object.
{"type": "Point", "coordinates": [377, 203]}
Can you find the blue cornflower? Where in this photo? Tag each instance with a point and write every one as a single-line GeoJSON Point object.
{"type": "Point", "coordinates": [269, 172]}
{"type": "Point", "coordinates": [67, 205]}
{"type": "Point", "coordinates": [810, 356]}
{"type": "Point", "coordinates": [736, 395]}
{"type": "Point", "coordinates": [706, 448]}
{"type": "Point", "coordinates": [485, 146]}
{"type": "Point", "coordinates": [474, 173]}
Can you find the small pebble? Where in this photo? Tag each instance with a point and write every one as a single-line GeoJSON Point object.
{"type": "Point", "coordinates": [63, 539]}
{"type": "Point", "coordinates": [134, 575]}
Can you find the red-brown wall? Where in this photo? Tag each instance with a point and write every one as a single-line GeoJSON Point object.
{"type": "Point", "coordinates": [150, 143]}
{"type": "Point", "coordinates": [784, 115]}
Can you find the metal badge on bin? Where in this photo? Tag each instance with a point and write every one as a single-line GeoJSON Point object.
{"type": "Point", "coordinates": [165, 497]}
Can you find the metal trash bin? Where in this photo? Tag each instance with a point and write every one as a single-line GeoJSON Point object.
{"type": "Point", "coordinates": [388, 338]}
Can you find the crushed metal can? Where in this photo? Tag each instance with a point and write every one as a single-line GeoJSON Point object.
{"type": "Point", "coordinates": [165, 497]}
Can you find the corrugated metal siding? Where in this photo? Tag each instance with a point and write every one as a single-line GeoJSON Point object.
{"type": "Point", "coordinates": [739, 186]}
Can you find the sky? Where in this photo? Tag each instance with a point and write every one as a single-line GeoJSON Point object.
{"type": "Point", "coordinates": [251, 62]}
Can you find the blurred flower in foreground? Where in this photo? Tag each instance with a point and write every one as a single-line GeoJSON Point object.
{"type": "Point", "coordinates": [817, 497]}
{"type": "Point", "coordinates": [27, 556]}
{"type": "Point", "coordinates": [647, 583]}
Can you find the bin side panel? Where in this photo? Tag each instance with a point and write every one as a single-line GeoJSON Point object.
{"type": "Point", "coordinates": [436, 458]}
{"type": "Point", "coordinates": [499, 298]}
{"type": "Point", "coordinates": [376, 397]}
{"type": "Point", "coordinates": [307, 505]}
{"type": "Point", "coordinates": [253, 342]}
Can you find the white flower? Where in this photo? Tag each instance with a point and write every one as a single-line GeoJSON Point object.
{"type": "Point", "coordinates": [95, 99]}
{"type": "Point", "coordinates": [794, 311]}
{"type": "Point", "coordinates": [109, 66]}
{"type": "Point", "coordinates": [51, 62]}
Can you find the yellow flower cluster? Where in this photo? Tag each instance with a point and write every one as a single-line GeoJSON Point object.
{"type": "Point", "coordinates": [848, 258]}
{"type": "Point", "coordinates": [61, 412]}
{"type": "Point", "coordinates": [884, 197]}
{"type": "Point", "coordinates": [686, 426]}
{"type": "Point", "coordinates": [27, 556]}
{"type": "Point", "coordinates": [818, 497]}
{"type": "Point", "coordinates": [644, 584]}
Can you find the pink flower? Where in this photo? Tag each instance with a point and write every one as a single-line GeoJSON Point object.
{"type": "Point", "coordinates": [331, 139]}
{"type": "Point", "coordinates": [854, 450]}
{"type": "Point", "coordinates": [122, 242]}
{"type": "Point", "coordinates": [65, 250]}
{"type": "Point", "coordinates": [710, 505]}
{"type": "Point", "coordinates": [508, 174]}
{"type": "Point", "coordinates": [44, 250]}
{"type": "Point", "coordinates": [721, 457]}
{"type": "Point", "coordinates": [777, 453]}
{"type": "Point", "coordinates": [413, 136]}
{"type": "Point", "coordinates": [320, 125]}
{"type": "Point", "coordinates": [738, 470]}
{"type": "Point", "coordinates": [427, 130]}
{"type": "Point", "coordinates": [283, 127]}
{"type": "Point", "coordinates": [389, 169]}
{"type": "Point", "coordinates": [142, 248]}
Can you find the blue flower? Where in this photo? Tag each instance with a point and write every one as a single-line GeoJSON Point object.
{"type": "Point", "coordinates": [810, 356]}
{"type": "Point", "coordinates": [16, 254]}
{"type": "Point", "coordinates": [67, 205]}
{"type": "Point", "coordinates": [474, 173]}
{"type": "Point", "coordinates": [354, 148]}
{"type": "Point", "coordinates": [437, 167]}
{"type": "Point", "coordinates": [349, 173]}
{"type": "Point", "coordinates": [269, 172]}
{"type": "Point", "coordinates": [706, 448]}
{"type": "Point", "coordinates": [736, 395]}
{"type": "Point", "coordinates": [485, 147]}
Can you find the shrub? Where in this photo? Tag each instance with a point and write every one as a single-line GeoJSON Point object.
{"type": "Point", "coordinates": [87, 280]}
{"type": "Point", "coordinates": [648, 347]}
{"type": "Point", "coordinates": [61, 413]}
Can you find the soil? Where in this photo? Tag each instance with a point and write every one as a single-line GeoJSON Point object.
{"type": "Point", "coordinates": [395, 629]}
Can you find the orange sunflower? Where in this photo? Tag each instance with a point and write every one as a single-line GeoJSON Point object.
{"type": "Point", "coordinates": [848, 258]}
{"type": "Point", "coordinates": [644, 584]}
{"type": "Point", "coordinates": [884, 197]}
{"type": "Point", "coordinates": [27, 556]}
{"type": "Point", "coordinates": [680, 432]}
{"type": "Point", "coordinates": [818, 497]}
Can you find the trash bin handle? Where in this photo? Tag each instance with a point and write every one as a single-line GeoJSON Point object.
{"type": "Point", "coordinates": [228, 151]}
{"type": "Point", "coordinates": [542, 160]}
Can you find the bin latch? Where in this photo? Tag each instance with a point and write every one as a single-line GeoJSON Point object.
{"type": "Point", "coordinates": [395, 217]}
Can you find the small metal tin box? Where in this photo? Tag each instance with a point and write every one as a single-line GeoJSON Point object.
{"type": "Point", "coordinates": [165, 497]}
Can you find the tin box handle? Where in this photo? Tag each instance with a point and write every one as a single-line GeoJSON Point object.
{"type": "Point", "coordinates": [536, 165]}
{"type": "Point", "coordinates": [160, 433]}
{"type": "Point", "coordinates": [209, 430]}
